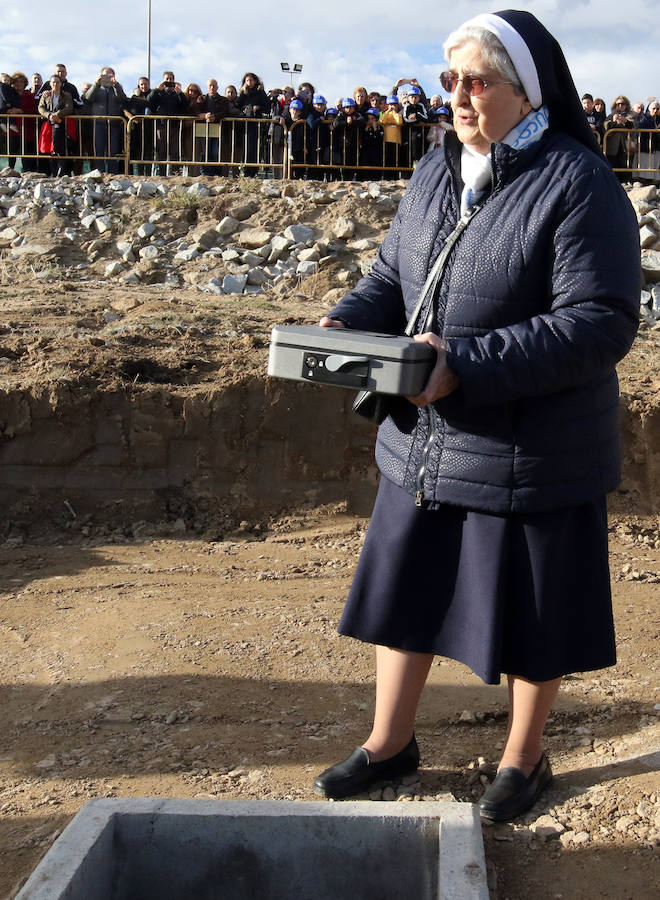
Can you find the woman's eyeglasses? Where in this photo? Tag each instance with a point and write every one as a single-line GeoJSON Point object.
{"type": "Point", "coordinates": [472, 84]}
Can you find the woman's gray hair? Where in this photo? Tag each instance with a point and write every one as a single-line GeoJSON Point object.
{"type": "Point", "coordinates": [492, 49]}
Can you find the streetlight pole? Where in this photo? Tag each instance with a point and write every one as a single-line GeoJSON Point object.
{"type": "Point", "coordinates": [297, 68]}
{"type": "Point", "coordinates": [149, 40]}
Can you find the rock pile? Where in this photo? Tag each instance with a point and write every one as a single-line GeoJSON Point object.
{"type": "Point", "coordinates": [174, 235]}
{"type": "Point", "coordinates": [158, 232]}
{"type": "Point", "coordinates": [646, 203]}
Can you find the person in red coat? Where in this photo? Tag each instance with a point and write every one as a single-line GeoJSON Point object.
{"type": "Point", "coordinates": [22, 131]}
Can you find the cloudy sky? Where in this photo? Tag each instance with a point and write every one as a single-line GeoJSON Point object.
{"type": "Point", "coordinates": [611, 46]}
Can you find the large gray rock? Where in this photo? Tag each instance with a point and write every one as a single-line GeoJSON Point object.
{"type": "Point", "coordinates": [386, 204]}
{"type": "Point", "coordinates": [643, 193]}
{"type": "Point", "coordinates": [311, 254]}
{"type": "Point", "coordinates": [647, 236]}
{"type": "Point", "coordinates": [149, 252]}
{"type": "Point", "coordinates": [655, 298]}
{"type": "Point", "coordinates": [214, 286]}
{"type": "Point", "coordinates": [651, 264]}
{"type": "Point", "coordinates": [186, 255]}
{"type": "Point", "coordinates": [118, 185]}
{"type": "Point", "coordinates": [256, 276]}
{"type": "Point", "coordinates": [234, 284]}
{"type": "Point", "coordinates": [146, 229]}
{"type": "Point", "coordinates": [205, 237]}
{"type": "Point", "coordinates": [114, 268]}
{"type": "Point", "coordinates": [300, 234]}
{"type": "Point", "coordinates": [652, 218]}
{"type": "Point", "coordinates": [243, 210]}
{"type": "Point", "coordinates": [363, 244]}
{"type": "Point", "coordinates": [251, 259]}
{"type": "Point", "coordinates": [307, 268]}
{"type": "Point", "coordinates": [199, 190]}
{"type": "Point", "coordinates": [253, 238]}
{"type": "Point", "coordinates": [29, 250]}
{"type": "Point", "coordinates": [343, 228]}
{"type": "Point", "coordinates": [41, 193]}
{"type": "Point", "coordinates": [641, 207]}
{"type": "Point", "coordinates": [269, 190]}
{"type": "Point", "coordinates": [146, 189]}
{"type": "Point", "coordinates": [103, 224]}
{"type": "Point", "coordinates": [227, 225]}
{"type": "Point", "coordinates": [280, 243]}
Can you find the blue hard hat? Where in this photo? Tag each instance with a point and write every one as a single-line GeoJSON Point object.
{"type": "Point", "coordinates": [393, 98]}
{"type": "Point", "coordinates": [348, 101]}
{"type": "Point", "coordinates": [413, 90]}
{"type": "Point", "coordinates": [331, 111]}
{"type": "Point", "coordinates": [319, 100]}
{"type": "Point", "coordinates": [296, 104]}
{"type": "Point", "coordinates": [373, 112]}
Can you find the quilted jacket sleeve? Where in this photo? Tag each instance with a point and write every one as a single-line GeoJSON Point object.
{"type": "Point", "coordinates": [594, 305]}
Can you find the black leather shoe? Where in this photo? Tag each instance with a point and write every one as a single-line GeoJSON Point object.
{"type": "Point", "coordinates": [512, 794]}
{"type": "Point", "coordinates": [358, 772]}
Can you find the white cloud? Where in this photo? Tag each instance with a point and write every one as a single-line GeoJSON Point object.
{"type": "Point", "coordinates": [610, 46]}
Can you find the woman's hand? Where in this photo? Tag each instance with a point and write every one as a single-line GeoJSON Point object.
{"type": "Point", "coordinates": [442, 380]}
{"type": "Point", "coordinates": [331, 323]}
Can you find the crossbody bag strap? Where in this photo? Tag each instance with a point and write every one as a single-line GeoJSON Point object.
{"type": "Point", "coordinates": [436, 270]}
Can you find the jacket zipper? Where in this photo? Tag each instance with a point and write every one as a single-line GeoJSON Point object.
{"type": "Point", "coordinates": [421, 472]}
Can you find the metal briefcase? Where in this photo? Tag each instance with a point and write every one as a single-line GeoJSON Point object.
{"type": "Point", "coordinates": [388, 364]}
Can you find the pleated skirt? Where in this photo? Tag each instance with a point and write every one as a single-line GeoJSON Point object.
{"type": "Point", "coordinates": [524, 594]}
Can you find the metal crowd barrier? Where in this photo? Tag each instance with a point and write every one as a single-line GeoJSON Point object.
{"type": "Point", "coordinates": [343, 153]}
{"type": "Point", "coordinates": [99, 139]}
{"type": "Point", "coordinates": [162, 145]}
{"type": "Point", "coordinates": [634, 151]}
{"type": "Point", "coordinates": [231, 146]}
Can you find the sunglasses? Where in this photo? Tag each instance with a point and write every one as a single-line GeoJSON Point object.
{"type": "Point", "coordinates": [472, 84]}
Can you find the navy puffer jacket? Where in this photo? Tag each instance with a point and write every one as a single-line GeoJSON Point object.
{"type": "Point", "coordinates": [538, 302]}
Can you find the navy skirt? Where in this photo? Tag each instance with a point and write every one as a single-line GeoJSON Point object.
{"type": "Point", "coordinates": [525, 594]}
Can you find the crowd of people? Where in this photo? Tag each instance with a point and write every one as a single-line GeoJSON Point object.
{"type": "Point", "coordinates": [357, 135]}
{"type": "Point", "coordinates": [620, 150]}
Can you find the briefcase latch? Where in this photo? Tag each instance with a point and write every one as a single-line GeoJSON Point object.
{"type": "Point", "coordinates": [336, 368]}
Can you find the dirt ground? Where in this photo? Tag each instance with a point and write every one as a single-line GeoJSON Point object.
{"type": "Point", "coordinates": [184, 668]}
{"type": "Point", "coordinates": [179, 666]}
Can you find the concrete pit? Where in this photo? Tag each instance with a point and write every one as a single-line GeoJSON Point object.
{"type": "Point", "coordinates": [268, 850]}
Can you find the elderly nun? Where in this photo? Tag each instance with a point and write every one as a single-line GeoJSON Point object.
{"type": "Point", "coordinates": [488, 539]}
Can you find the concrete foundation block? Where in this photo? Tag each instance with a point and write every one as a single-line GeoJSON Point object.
{"type": "Point", "coordinates": [271, 850]}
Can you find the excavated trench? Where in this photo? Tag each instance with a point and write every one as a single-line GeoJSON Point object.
{"type": "Point", "coordinates": [208, 458]}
